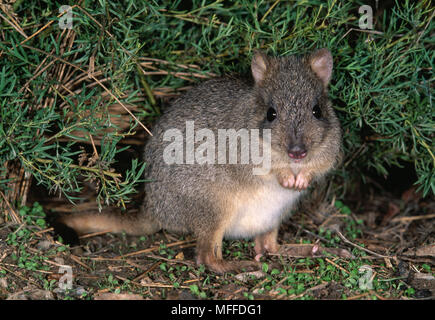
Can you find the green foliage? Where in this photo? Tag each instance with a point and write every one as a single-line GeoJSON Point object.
{"type": "Point", "coordinates": [381, 85]}
{"type": "Point", "coordinates": [33, 218]}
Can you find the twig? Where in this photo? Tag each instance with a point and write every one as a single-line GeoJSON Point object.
{"type": "Point", "coordinates": [93, 146]}
{"type": "Point", "coordinates": [357, 246]}
{"type": "Point", "coordinates": [336, 265]}
{"type": "Point", "coordinates": [359, 296]}
{"type": "Point", "coordinates": [90, 235]}
{"type": "Point", "coordinates": [14, 216]}
{"type": "Point", "coordinates": [75, 166]}
{"type": "Point", "coordinates": [377, 295]}
{"type": "Point", "coordinates": [364, 31]}
{"type": "Point", "coordinates": [182, 75]}
{"type": "Point", "coordinates": [407, 219]}
{"type": "Point", "coordinates": [45, 26]}
{"type": "Point", "coordinates": [16, 27]}
{"type": "Point", "coordinates": [180, 65]}
{"type": "Point", "coordinates": [18, 275]}
{"type": "Point", "coordinates": [269, 10]}
{"type": "Point", "coordinates": [425, 27]}
{"type": "Point", "coordinates": [153, 249]}
{"type": "Point", "coordinates": [38, 233]}
{"type": "Point", "coordinates": [161, 285]}
{"type": "Point", "coordinates": [145, 273]}
{"type": "Point", "coordinates": [76, 259]}
{"type": "Point", "coordinates": [152, 256]}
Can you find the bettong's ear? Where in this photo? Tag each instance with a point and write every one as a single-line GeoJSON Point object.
{"type": "Point", "coordinates": [321, 63]}
{"type": "Point", "coordinates": [259, 66]}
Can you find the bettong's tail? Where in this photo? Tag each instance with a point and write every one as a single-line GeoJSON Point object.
{"type": "Point", "coordinates": [131, 223]}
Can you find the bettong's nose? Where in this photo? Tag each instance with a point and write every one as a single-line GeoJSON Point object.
{"type": "Point", "coordinates": [297, 151]}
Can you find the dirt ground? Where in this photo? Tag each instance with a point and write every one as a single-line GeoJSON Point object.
{"type": "Point", "coordinates": [324, 247]}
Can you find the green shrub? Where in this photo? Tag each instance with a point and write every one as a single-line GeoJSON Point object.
{"type": "Point", "coordinates": [58, 88]}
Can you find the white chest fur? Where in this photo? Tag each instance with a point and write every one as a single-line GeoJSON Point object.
{"type": "Point", "coordinates": [260, 211]}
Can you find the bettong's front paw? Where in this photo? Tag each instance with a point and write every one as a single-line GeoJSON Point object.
{"type": "Point", "coordinates": [300, 182]}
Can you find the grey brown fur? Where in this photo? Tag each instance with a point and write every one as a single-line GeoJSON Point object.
{"type": "Point", "coordinates": [216, 201]}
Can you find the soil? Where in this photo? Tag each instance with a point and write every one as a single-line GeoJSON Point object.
{"type": "Point", "coordinates": [397, 233]}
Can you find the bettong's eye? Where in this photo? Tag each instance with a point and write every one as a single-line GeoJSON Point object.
{"type": "Point", "coordinates": [317, 113]}
{"type": "Point", "coordinates": [271, 114]}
